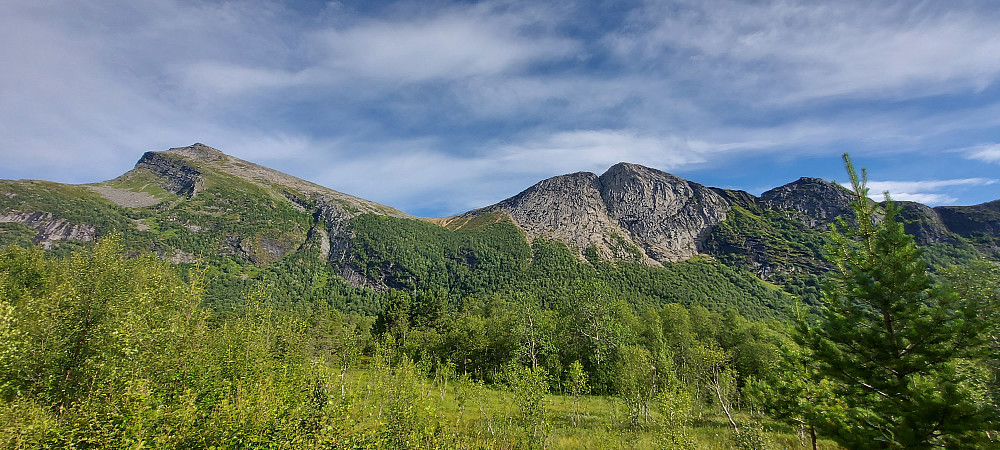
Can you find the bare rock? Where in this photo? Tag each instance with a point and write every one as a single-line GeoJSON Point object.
{"type": "Point", "coordinates": [630, 212]}
{"type": "Point", "coordinates": [51, 229]}
{"type": "Point", "coordinates": [818, 202]}
{"type": "Point", "coordinates": [670, 217]}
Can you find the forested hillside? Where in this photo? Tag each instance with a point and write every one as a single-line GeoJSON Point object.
{"type": "Point", "coordinates": [202, 301]}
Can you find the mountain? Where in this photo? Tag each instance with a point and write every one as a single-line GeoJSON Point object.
{"type": "Point", "coordinates": [186, 202]}
{"type": "Point", "coordinates": [629, 212]}
{"type": "Point", "coordinates": [816, 202]}
{"type": "Point", "coordinates": [248, 222]}
{"type": "Point", "coordinates": [979, 223]}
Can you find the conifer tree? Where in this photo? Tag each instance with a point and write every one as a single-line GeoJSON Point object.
{"type": "Point", "coordinates": [891, 341]}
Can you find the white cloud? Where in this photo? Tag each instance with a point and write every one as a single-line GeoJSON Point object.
{"type": "Point", "coordinates": [453, 45]}
{"type": "Point", "coordinates": [987, 153]}
{"type": "Point", "coordinates": [791, 51]}
{"type": "Point", "coordinates": [460, 105]}
{"type": "Point", "coordinates": [927, 199]}
{"type": "Point", "coordinates": [572, 151]}
{"type": "Point", "coordinates": [923, 186]}
{"type": "Point", "coordinates": [924, 191]}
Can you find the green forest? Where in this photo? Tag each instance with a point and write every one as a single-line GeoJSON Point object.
{"type": "Point", "coordinates": [476, 338]}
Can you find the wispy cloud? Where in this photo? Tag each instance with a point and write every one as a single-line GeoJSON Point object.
{"type": "Point", "coordinates": [987, 153]}
{"type": "Point", "coordinates": [791, 51]}
{"type": "Point", "coordinates": [441, 106]}
{"type": "Point", "coordinates": [924, 191]}
{"type": "Point", "coordinates": [451, 45]}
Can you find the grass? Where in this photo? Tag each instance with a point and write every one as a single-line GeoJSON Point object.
{"type": "Point", "coordinates": [477, 416]}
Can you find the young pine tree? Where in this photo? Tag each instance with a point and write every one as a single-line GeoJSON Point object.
{"type": "Point", "coordinates": [891, 341]}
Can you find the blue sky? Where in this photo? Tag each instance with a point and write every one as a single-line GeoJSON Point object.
{"type": "Point", "coordinates": [439, 107]}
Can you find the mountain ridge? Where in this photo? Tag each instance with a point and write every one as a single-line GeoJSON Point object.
{"type": "Point", "coordinates": [628, 213]}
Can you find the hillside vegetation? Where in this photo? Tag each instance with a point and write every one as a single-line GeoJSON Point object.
{"type": "Point", "coordinates": [203, 301]}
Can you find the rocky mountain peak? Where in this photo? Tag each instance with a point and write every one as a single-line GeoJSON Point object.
{"type": "Point", "coordinates": [667, 215]}
{"type": "Point", "coordinates": [629, 212]}
{"type": "Point", "coordinates": [200, 152]}
{"type": "Point", "coordinates": [568, 208]}
{"type": "Point", "coordinates": [818, 201]}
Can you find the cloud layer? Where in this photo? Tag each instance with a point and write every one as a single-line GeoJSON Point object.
{"type": "Point", "coordinates": [440, 107]}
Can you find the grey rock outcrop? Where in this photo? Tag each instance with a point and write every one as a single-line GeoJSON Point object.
{"type": "Point", "coordinates": [568, 208]}
{"type": "Point", "coordinates": [924, 223]}
{"type": "Point", "coordinates": [668, 216]}
{"type": "Point", "coordinates": [630, 212]}
{"type": "Point", "coordinates": [978, 222]}
{"type": "Point", "coordinates": [818, 202]}
{"type": "Point", "coordinates": [51, 229]}
{"type": "Point", "coordinates": [172, 173]}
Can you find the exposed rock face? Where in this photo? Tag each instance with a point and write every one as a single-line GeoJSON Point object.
{"type": "Point", "coordinates": [818, 201]}
{"type": "Point", "coordinates": [50, 228]}
{"type": "Point", "coordinates": [669, 217]}
{"type": "Point", "coordinates": [174, 175]}
{"type": "Point", "coordinates": [924, 224]}
{"type": "Point", "coordinates": [980, 222]}
{"type": "Point", "coordinates": [568, 208]}
{"type": "Point", "coordinates": [630, 209]}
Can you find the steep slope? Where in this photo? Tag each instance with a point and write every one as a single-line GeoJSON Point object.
{"type": "Point", "coordinates": [818, 202]}
{"type": "Point", "coordinates": [925, 224]}
{"type": "Point", "coordinates": [631, 212]}
{"type": "Point", "coordinates": [192, 202]}
{"type": "Point", "coordinates": [978, 223]}
{"type": "Point", "coordinates": [668, 216]}
{"type": "Point", "coordinates": [568, 208]}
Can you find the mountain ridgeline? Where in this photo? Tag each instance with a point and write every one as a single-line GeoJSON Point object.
{"type": "Point", "coordinates": [639, 232]}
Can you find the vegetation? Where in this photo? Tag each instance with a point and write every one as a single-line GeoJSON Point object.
{"type": "Point", "coordinates": [473, 337]}
{"type": "Point", "coordinates": [894, 361]}
{"type": "Point", "coordinates": [108, 351]}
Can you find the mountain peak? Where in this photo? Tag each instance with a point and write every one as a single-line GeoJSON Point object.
{"type": "Point", "coordinates": [630, 212]}
{"type": "Point", "coordinates": [199, 151]}
{"type": "Point", "coordinates": [819, 201]}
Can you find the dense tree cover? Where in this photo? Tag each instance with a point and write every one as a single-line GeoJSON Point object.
{"type": "Point", "coordinates": [895, 360]}
{"type": "Point", "coordinates": [463, 338]}
{"type": "Point", "coordinates": [103, 350]}
{"type": "Point", "coordinates": [495, 258]}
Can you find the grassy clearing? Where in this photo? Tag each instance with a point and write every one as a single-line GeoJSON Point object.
{"type": "Point", "coordinates": [477, 416]}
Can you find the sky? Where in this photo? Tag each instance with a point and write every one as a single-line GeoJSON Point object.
{"type": "Point", "coordinates": [439, 107]}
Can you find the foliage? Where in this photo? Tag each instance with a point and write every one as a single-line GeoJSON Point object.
{"type": "Point", "coordinates": [577, 387]}
{"type": "Point", "coordinates": [150, 365]}
{"type": "Point", "coordinates": [891, 341]}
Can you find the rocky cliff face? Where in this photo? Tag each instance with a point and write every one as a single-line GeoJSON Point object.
{"type": "Point", "coordinates": [568, 208]}
{"type": "Point", "coordinates": [51, 229]}
{"type": "Point", "coordinates": [925, 224]}
{"type": "Point", "coordinates": [629, 212]}
{"type": "Point", "coordinates": [174, 174]}
{"type": "Point", "coordinates": [979, 223]}
{"type": "Point", "coordinates": [668, 216]}
{"type": "Point", "coordinates": [818, 202]}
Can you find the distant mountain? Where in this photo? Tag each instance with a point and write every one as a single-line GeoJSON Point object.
{"type": "Point", "coordinates": [186, 202]}
{"type": "Point", "coordinates": [632, 212]}
{"type": "Point", "coordinates": [629, 212]}
{"type": "Point", "coordinates": [196, 203]}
